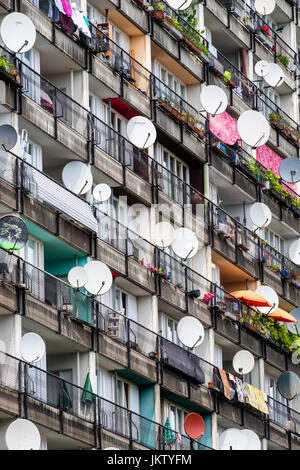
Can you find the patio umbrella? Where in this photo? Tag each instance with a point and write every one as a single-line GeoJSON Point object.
{"type": "Point", "coordinates": [249, 297]}
{"type": "Point", "coordinates": [170, 437]}
{"type": "Point", "coordinates": [87, 394]}
{"type": "Point", "coordinates": [281, 315]}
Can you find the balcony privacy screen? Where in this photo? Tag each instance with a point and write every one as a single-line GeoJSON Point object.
{"type": "Point", "coordinates": [180, 359]}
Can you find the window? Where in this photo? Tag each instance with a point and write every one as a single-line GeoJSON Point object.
{"type": "Point", "coordinates": [274, 240]}
{"type": "Point", "coordinates": [268, 103]}
{"type": "Point", "coordinates": [176, 416]}
{"type": "Point", "coordinates": [168, 329]}
{"type": "Point", "coordinates": [173, 84]}
{"type": "Point", "coordinates": [176, 170]}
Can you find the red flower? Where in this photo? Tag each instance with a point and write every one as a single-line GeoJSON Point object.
{"type": "Point", "coordinates": [266, 30]}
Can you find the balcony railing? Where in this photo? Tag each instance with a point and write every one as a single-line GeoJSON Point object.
{"type": "Point", "coordinates": [47, 388]}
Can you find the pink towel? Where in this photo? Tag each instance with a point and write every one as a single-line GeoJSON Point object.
{"type": "Point", "coordinates": [67, 8]}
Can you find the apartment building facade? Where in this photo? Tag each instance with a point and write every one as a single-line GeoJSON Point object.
{"type": "Point", "coordinates": [70, 98]}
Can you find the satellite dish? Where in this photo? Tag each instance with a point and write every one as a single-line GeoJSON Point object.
{"type": "Point", "coordinates": [214, 99]}
{"type": "Point", "coordinates": [272, 297]}
{"type": "Point", "coordinates": [243, 362]}
{"type": "Point", "coordinates": [262, 68]}
{"type": "Point", "coordinates": [18, 32]}
{"type": "Point", "coordinates": [8, 136]}
{"type": "Point", "coordinates": [275, 76]}
{"type": "Point", "coordinates": [260, 214]}
{"type": "Point", "coordinates": [289, 169]}
{"type": "Point", "coordinates": [294, 251]}
{"type": "Point", "coordinates": [163, 234]}
{"type": "Point", "coordinates": [288, 385]}
{"type": "Point", "coordinates": [194, 425]}
{"type": "Point", "coordinates": [101, 192]}
{"type": "Point", "coordinates": [253, 128]}
{"type": "Point", "coordinates": [252, 440]}
{"type": "Point", "coordinates": [232, 439]}
{"type": "Point", "coordinates": [185, 243]}
{"type": "Point", "coordinates": [264, 7]}
{"type": "Point", "coordinates": [32, 347]}
{"type": "Point", "coordinates": [22, 434]}
{"type": "Point", "coordinates": [190, 331]}
{"type": "Point", "coordinates": [179, 4]}
{"type": "Point", "coordinates": [292, 326]}
{"type": "Point", "coordinates": [141, 132]}
{"type": "Point", "coordinates": [77, 277]}
{"type": "Point", "coordinates": [13, 233]}
{"type": "Point", "coordinates": [99, 278]}
{"type": "Point", "coordinates": [77, 177]}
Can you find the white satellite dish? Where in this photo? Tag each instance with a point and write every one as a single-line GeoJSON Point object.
{"type": "Point", "coordinates": [77, 177]}
{"type": "Point", "coordinates": [141, 132]}
{"type": "Point", "coordinates": [99, 278]}
{"type": "Point", "coordinates": [294, 251]}
{"type": "Point", "coordinates": [260, 214]}
{"type": "Point", "coordinates": [289, 170]}
{"type": "Point", "coordinates": [179, 4]}
{"type": "Point", "coordinates": [18, 32]}
{"type": "Point", "coordinates": [213, 99]}
{"type": "Point", "coordinates": [253, 128]}
{"type": "Point", "coordinates": [163, 234]}
{"type": "Point", "coordinates": [243, 362]}
{"type": "Point", "coordinates": [32, 347]}
{"type": "Point", "coordinates": [262, 68]}
{"type": "Point", "coordinates": [22, 434]}
{"type": "Point", "coordinates": [185, 243]}
{"type": "Point", "coordinates": [252, 440]}
{"type": "Point", "coordinates": [77, 277]}
{"type": "Point", "coordinates": [275, 76]}
{"type": "Point", "coordinates": [101, 192]}
{"type": "Point", "coordinates": [264, 7]}
{"type": "Point", "coordinates": [232, 439]}
{"type": "Point", "coordinates": [271, 296]}
{"type": "Point", "coordinates": [190, 331]}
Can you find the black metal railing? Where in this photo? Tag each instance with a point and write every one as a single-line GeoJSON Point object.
{"type": "Point", "coordinates": [44, 387]}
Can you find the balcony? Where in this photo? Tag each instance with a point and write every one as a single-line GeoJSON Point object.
{"type": "Point", "coordinates": [83, 416]}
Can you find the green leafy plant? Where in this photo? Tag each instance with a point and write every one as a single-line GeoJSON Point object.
{"type": "Point", "coordinates": [158, 6]}
{"type": "Point", "coordinates": [5, 64]}
{"type": "Point", "coordinates": [284, 60]}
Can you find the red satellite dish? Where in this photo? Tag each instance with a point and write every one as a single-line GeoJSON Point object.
{"type": "Point", "coordinates": [194, 425]}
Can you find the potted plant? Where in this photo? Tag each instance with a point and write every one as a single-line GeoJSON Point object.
{"type": "Point", "coordinates": [284, 60]}
{"type": "Point", "coordinates": [248, 22]}
{"type": "Point", "coordinates": [158, 11]}
{"type": "Point", "coordinates": [8, 71]}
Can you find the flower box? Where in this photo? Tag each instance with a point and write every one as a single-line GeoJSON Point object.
{"type": "Point", "coordinates": [8, 77]}
{"type": "Point", "coordinates": [262, 37]}
{"type": "Point", "coordinates": [174, 31]}
{"type": "Point", "coordinates": [276, 124]}
{"type": "Point", "coordinates": [249, 25]}
{"type": "Point", "coordinates": [216, 67]}
{"type": "Point", "coordinates": [158, 15]}
{"type": "Point", "coordinates": [191, 46]}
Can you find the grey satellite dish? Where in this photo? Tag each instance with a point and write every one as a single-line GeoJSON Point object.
{"type": "Point", "coordinates": [77, 177]}
{"type": "Point", "coordinates": [275, 76]}
{"type": "Point", "coordinates": [77, 277]}
{"type": "Point", "coordinates": [253, 128]}
{"type": "Point", "coordinates": [294, 251]}
{"type": "Point", "coordinates": [179, 4]}
{"type": "Point", "coordinates": [99, 278]}
{"type": "Point", "coordinates": [260, 214]}
{"type": "Point", "coordinates": [18, 32]}
{"type": "Point", "coordinates": [190, 331]}
{"type": "Point", "coordinates": [288, 385]}
{"type": "Point", "coordinates": [13, 233]}
{"type": "Point", "coordinates": [262, 68]}
{"type": "Point", "coordinates": [289, 170]}
{"type": "Point", "coordinates": [141, 132]}
{"type": "Point", "coordinates": [232, 439]}
{"type": "Point", "coordinates": [243, 362]}
{"type": "Point", "coordinates": [32, 347]}
{"type": "Point", "coordinates": [214, 100]}
{"type": "Point", "coordinates": [8, 136]}
{"type": "Point", "coordinates": [293, 326]}
{"type": "Point", "coordinates": [264, 7]}
{"type": "Point", "coordinates": [22, 434]}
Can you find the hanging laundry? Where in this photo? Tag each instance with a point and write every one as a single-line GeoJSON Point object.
{"type": "Point", "coordinates": [256, 398]}
{"type": "Point", "coordinates": [58, 4]}
{"type": "Point", "coordinates": [239, 388]}
{"type": "Point", "coordinates": [67, 24]}
{"type": "Point", "coordinates": [67, 8]}
{"type": "Point", "coordinates": [53, 12]}
{"type": "Point", "coordinates": [80, 22]}
{"type": "Point", "coordinates": [226, 385]}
